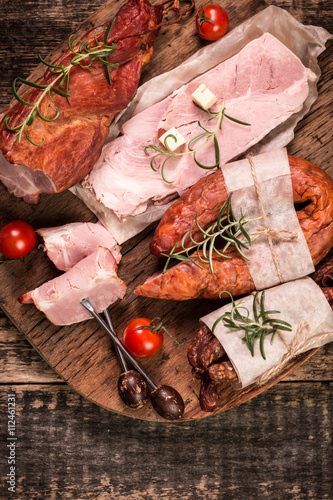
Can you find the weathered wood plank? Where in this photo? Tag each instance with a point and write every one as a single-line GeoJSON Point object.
{"type": "Point", "coordinates": [277, 446]}
{"type": "Point", "coordinates": [316, 12]}
{"type": "Point", "coordinates": [20, 363]}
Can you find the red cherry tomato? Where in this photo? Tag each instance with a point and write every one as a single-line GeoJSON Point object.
{"type": "Point", "coordinates": [143, 338]}
{"type": "Point", "coordinates": [17, 239]}
{"type": "Point", "coordinates": [212, 22]}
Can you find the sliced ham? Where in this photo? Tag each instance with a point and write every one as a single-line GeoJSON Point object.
{"type": "Point", "coordinates": [93, 277]}
{"type": "Point", "coordinates": [67, 245]}
{"type": "Point", "coordinates": [264, 84]}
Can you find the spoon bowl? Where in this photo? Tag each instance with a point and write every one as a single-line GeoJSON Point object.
{"type": "Point", "coordinates": [132, 389]}
{"type": "Point", "coordinates": [167, 402]}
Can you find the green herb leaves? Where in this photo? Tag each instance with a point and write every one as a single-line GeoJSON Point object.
{"type": "Point", "coordinates": [262, 324]}
{"type": "Point", "coordinates": [226, 229]}
{"type": "Point", "coordinates": [83, 57]}
{"type": "Point", "coordinates": [203, 139]}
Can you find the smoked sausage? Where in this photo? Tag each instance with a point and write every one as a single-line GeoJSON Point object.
{"type": "Point", "coordinates": [312, 189]}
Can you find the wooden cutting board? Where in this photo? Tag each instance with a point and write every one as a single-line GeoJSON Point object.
{"type": "Point", "coordinates": [82, 354]}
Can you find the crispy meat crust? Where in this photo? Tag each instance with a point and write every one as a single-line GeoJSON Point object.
{"type": "Point", "coordinates": [73, 142]}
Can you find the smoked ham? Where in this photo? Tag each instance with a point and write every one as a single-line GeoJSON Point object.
{"type": "Point", "coordinates": [73, 142]}
{"type": "Point", "coordinates": [67, 245]}
{"type": "Point", "coordinates": [311, 186]}
{"type": "Point", "coordinates": [265, 79]}
{"type": "Point", "coordinates": [94, 277]}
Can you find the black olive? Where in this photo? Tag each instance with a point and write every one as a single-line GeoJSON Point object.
{"type": "Point", "coordinates": [143, 46]}
{"type": "Point", "coordinates": [167, 402]}
{"type": "Point", "coordinates": [132, 389]}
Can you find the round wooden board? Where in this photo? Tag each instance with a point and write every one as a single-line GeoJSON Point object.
{"type": "Point", "coordinates": [83, 354]}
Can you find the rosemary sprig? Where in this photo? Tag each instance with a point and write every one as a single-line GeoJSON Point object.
{"type": "Point", "coordinates": [262, 324]}
{"type": "Point", "coordinates": [86, 53]}
{"type": "Point", "coordinates": [227, 228]}
{"type": "Point", "coordinates": [206, 136]}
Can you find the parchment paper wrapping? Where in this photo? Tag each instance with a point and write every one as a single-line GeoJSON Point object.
{"type": "Point", "coordinates": [274, 182]}
{"type": "Point", "coordinates": [297, 301]}
{"type": "Point", "coordinates": [307, 42]}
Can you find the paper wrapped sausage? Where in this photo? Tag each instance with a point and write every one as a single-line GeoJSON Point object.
{"type": "Point", "coordinates": [312, 190]}
{"type": "Point", "coordinates": [212, 363]}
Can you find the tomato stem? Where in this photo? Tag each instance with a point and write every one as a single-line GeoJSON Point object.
{"type": "Point", "coordinates": [152, 327]}
{"type": "Point", "coordinates": [202, 18]}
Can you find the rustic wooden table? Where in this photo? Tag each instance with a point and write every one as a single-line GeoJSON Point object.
{"type": "Point", "coordinates": [277, 446]}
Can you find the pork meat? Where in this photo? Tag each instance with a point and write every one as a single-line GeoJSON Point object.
{"type": "Point", "coordinates": [93, 277]}
{"type": "Point", "coordinates": [264, 84]}
{"type": "Point", "coordinates": [73, 142]}
{"type": "Point", "coordinates": [67, 245]}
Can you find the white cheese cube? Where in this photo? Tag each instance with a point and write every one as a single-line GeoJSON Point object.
{"type": "Point", "coordinates": [203, 97]}
{"type": "Point", "coordinates": [171, 142]}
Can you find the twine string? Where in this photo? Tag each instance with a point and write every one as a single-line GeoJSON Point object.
{"type": "Point", "coordinates": [271, 234]}
{"type": "Point", "coordinates": [296, 347]}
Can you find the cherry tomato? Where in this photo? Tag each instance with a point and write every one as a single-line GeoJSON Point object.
{"type": "Point", "coordinates": [143, 338]}
{"type": "Point", "coordinates": [212, 22]}
{"type": "Point", "coordinates": [17, 239]}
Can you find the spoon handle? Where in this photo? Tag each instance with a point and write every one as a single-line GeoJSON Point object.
{"type": "Point", "coordinates": [126, 353]}
{"type": "Point", "coordinates": [121, 357]}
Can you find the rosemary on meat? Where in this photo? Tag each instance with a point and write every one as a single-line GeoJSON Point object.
{"type": "Point", "coordinates": [206, 136]}
{"type": "Point", "coordinates": [262, 324]}
{"type": "Point", "coordinates": [100, 51]}
{"type": "Point", "coordinates": [227, 228]}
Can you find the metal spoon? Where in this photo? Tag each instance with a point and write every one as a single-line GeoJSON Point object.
{"type": "Point", "coordinates": [166, 401]}
{"type": "Point", "coordinates": [132, 387]}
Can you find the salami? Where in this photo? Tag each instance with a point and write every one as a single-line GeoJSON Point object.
{"type": "Point", "coordinates": [312, 192]}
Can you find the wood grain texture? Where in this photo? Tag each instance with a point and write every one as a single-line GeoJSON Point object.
{"type": "Point", "coordinates": [20, 361]}
{"type": "Point", "coordinates": [83, 354]}
{"type": "Point", "coordinates": [21, 364]}
{"type": "Point", "coordinates": [74, 449]}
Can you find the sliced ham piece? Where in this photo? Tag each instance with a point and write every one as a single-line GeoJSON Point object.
{"type": "Point", "coordinates": [93, 277]}
{"type": "Point", "coordinates": [264, 84]}
{"type": "Point", "coordinates": [67, 245]}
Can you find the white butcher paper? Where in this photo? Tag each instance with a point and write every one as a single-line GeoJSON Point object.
{"type": "Point", "coordinates": [298, 301]}
{"type": "Point", "coordinates": [274, 180]}
{"type": "Point", "coordinates": [306, 42]}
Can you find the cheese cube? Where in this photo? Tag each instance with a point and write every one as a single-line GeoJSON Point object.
{"type": "Point", "coordinates": [203, 97]}
{"type": "Point", "coordinates": [171, 142]}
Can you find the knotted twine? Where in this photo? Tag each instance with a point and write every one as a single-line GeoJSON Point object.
{"type": "Point", "coordinates": [293, 349]}
{"type": "Point", "coordinates": [303, 331]}
{"type": "Point", "coordinates": [266, 230]}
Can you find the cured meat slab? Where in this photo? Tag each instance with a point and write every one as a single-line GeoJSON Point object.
{"type": "Point", "coordinates": [82, 354]}
{"type": "Point", "coordinates": [264, 79]}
